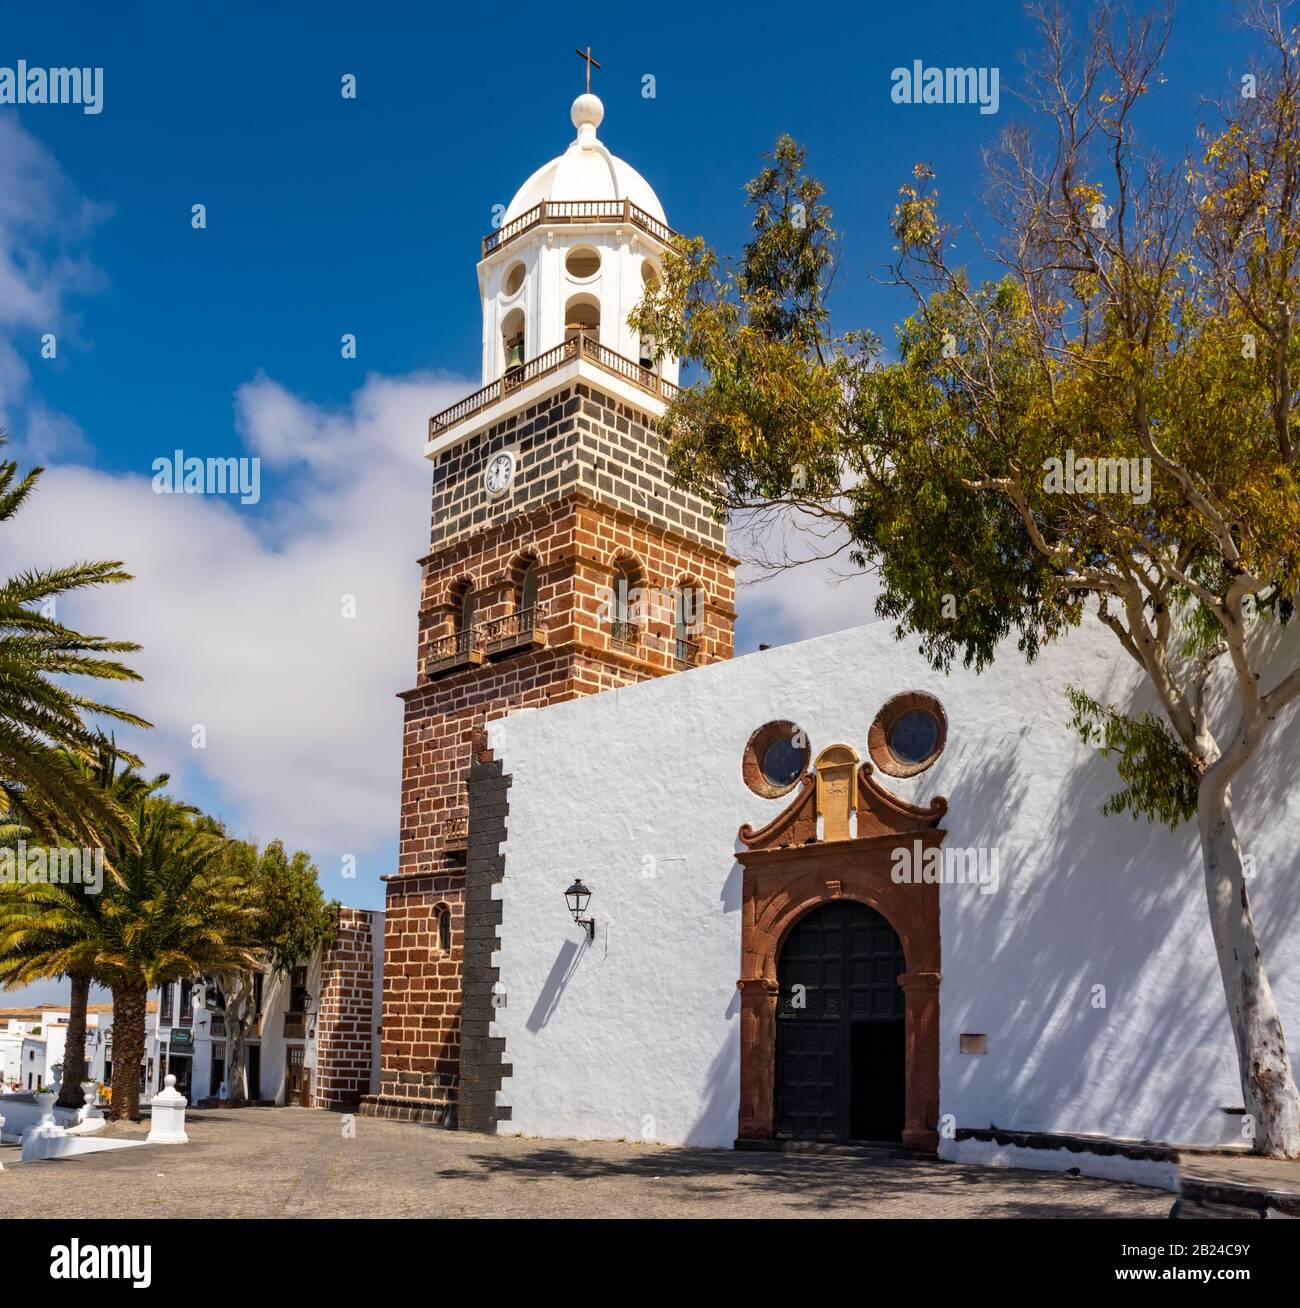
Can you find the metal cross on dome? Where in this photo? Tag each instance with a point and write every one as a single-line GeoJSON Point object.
{"type": "Point", "coordinates": [586, 54]}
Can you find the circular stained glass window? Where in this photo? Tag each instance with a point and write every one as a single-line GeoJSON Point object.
{"type": "Point", "coordinates": [914, 736]}
{"type": "Point", "coordinates": [783, 761]}
{"type": "Point", "coordinates": [775, 759]}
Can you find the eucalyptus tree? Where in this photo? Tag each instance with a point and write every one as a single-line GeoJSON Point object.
{"type": "Point", "coordinates": [1099, 430]}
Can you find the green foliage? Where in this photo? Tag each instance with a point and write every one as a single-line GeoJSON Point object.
{"type": "Point", "coordinates": [43, 730]}
{"type": "Point", "coordinates": [1144, 326]}
{"type": "Point", "coordinates": [293, 917]}
{"type": "Point", "coordinates": [1160, 782]}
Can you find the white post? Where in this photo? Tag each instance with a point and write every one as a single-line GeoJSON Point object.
{"type": "Point", "coordinates": [90, 1110]}
{"type": "Point", "coordinates": [168, 1120]}
{"type": "Point", "coordinates": [37, 1139]}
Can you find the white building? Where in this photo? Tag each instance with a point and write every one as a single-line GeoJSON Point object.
{"type": "Point", "coordinates": [1075, 990]}
{"type": "Point", "coordinates": [833, 894]}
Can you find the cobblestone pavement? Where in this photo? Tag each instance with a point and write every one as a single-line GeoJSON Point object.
{"type": "Point", "coordinates": [296, 1162]}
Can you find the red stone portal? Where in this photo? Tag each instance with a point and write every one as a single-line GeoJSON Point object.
{"type": "Point", "coordinates": [787, 872]}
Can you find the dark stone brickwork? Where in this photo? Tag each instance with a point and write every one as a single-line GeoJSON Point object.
{"type": "Point", "coordinates": [579, 437]}
{"type": "Point", "coordinates": [482, 1056]}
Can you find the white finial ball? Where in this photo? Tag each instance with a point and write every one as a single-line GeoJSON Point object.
{"type": "Point", "coordinates": [587, 109]}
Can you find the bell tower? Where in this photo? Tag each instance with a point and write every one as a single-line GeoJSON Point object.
{"type": "Point", "coordinates": [562, 561]}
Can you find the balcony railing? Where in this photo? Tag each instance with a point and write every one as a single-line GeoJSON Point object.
{"type": "Point", "coordinates": [295, 1026]}
{"type": "Point", "coordinates": [577, 211]}
{"type": "Point", "coordinates": [580, 347]}
{"type": "Point", "coordinates": [217, 1027]}
{"type": "Point", "coordinates": [454, 651]}
{"type": "Point", "coordinates": [625, 633]}
{"type": "Point", "coordinates": [455, 832]}
{"type": "Point", "coordinates": [523, 629]}
{"type": "Point", "coordinates": [688, 651]}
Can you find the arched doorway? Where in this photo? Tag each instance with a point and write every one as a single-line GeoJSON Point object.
{"type": "Point", "coordinates": [840, 1030]}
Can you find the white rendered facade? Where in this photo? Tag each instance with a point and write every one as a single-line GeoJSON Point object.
{"type": "Point", "coordinates": [639, 793]}
{"type": "Point", "coordinates": [535, 282]}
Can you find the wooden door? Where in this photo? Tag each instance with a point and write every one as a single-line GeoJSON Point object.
{"type": "Point", "coordinates": [839, 1049]}
{"type": "Point", "coordinates": [295, 1077]}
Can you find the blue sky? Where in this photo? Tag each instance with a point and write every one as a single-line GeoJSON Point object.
{"type": "Point", "coordinates": [327, 216]}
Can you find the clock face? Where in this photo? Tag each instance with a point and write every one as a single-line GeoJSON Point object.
{"type": "Point", "coordinates": [499, 473]}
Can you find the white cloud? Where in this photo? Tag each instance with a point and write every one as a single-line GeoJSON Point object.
{"type": "Point", "coordinates": [44, 224]}
{"type": "Point", "coordinates": [240, 610]}
{"type": "Point", "coordinates": [822, 594]}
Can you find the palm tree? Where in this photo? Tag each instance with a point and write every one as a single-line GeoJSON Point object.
{"type": "Point", "coordinates": [174, 910]}
{"type": "Point", "coordinates": [52, 931]}
{"type": "Point", "coordinates": [43, 731]}
{"type": "Point", "coordinates": [171, 907]}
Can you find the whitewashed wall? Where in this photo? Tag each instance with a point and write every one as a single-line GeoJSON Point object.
{"type": "Point", "coordinates": [639, 792]}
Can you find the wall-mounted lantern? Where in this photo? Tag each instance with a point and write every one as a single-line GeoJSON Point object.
{"type": "Point", "coordinates": [577, 896]}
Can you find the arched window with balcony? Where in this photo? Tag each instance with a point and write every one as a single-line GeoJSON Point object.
{"type": "Point", "coordinates": [624, 617]}
{"type": "Point", "coordinates": [688, 619]}
{"type": "Point", "coordinates": [512, 342]}
{"type": "Point", "coordinates": [529, 587]}
{"type": "Point", "coordinates": [650, 281]}
{"type": "Point", "coordinates": [462, 618]}
{"type": "Point", "coordinates": [582, 318]}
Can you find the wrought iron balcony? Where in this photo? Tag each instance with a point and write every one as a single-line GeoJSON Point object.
{"type": "Point", "coordinates": [577, 211]}
{"type": "Point", "coordinates": [295, 1026]}
{"type": "Point", "coordinates": [579, 347]}
{"type": "Point", "coordinates": [522, 628]}
{"type": "Point", "coordinates": [455, 832]}
{"type": "Point", "coordinates": [688, 651]}
{"type": "Point", "coordinates": [625, 633]}
{"type": "Point", "coordinates": [460, 649]}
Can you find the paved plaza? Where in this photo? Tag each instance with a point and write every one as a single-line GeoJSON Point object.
{"type": "Point", "coordinates": [298, 1162]}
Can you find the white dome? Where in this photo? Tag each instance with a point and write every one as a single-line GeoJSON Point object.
{"type": "Point", "coordinates": [586, 171]}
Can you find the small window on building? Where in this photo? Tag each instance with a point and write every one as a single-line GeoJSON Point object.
{"type": "Point", "coordinates": [913, 737]}
{"type": "Point", "coordinates": [583, 262]}
{"type": "Point", "coordinates": [515, 279]}
{"type": "Point", "coordinates": [776, 757]}
{"type": "Point", "coordinates": [257, 992]}
{"type": "Point", "coordinates": [528, 588]}
{"type": "Point", "coordinates": [298, 990]}
{"type": "Point", "coordinates": [443, 928]}
{"type": "Point", "coordinates": [688, 604]}
{"type": "Point", "coordinates": [623, 617]}
{"type": "Point", "coordinates": [908, 734]}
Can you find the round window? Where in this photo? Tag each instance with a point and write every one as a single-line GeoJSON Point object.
{"type": "Point", "coordinates": [908, 734]}
{"type": "Point", "coordinates": [913, 736]}
{"type": "Point", "coordinates": [782, 762]}
{"type": "Point", "coordinates": [582, 262]}
{"type": "Point", "coordinates": [515, 279]}
{"type": "Point", "coordinates": [775, 759]}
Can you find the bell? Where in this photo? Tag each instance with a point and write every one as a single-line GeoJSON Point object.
{"type": "Point", "coordinates": [516, 355]}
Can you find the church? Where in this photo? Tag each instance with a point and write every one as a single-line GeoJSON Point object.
{"type": "Point", "coordinates": [822, 893]}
